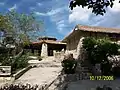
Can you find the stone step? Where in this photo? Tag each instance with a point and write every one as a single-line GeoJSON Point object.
{"type": "Point", "coordinates": [46, 65]}
{"type": "Point", "coordinates": [49, 65]}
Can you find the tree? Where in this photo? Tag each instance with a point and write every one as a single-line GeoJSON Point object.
{"type": "Point", "coordinates": [98, 6]}
{"type": "Point", "coordinates": [23, 25]}
{"type": "Point", "coordinates": [15, 28]}
{"type": "Point", "coordinates": [5, 26]}
{"type": "Point", "coordinates": [5, 23]}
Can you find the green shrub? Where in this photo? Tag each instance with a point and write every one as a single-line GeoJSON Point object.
{"type": "Point", "coordinates": [99, 50]}
{"type": "Point", "coordinates": [69, 65]}
{"type": "Point", "coordinates": [19, 63]}
{"type": "Point", "coordinates": [15, 63]}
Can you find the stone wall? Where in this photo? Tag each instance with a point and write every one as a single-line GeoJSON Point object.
{"type": "Point", "coordinates": [5, 71]}
{"type": "Point", "coordinates": [74, 52]}
{"type": "Point", "coordinates": [73, 41]}
{"type": "Point", "coordinates": [59, 55]}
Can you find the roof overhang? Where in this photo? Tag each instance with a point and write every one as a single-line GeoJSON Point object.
{"type": "Point", "coordinates": [48, 42]}
{"type": "Point", "coordinates": [70, 35]}
{"type": "Point", "coordinates": [91, 29]}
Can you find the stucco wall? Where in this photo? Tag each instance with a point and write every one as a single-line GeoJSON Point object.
{"type": "Point", "coordinates": [72, 42]}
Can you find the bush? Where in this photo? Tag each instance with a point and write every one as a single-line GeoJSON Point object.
{"type": "Point", "coordinates": [19, 63]}
{"type": "Point", "coordinates": [15, 63]}
{"type": "Point", "coordinates": [99, 50]}
{"type": "Point", "coordinates": [69, 65]}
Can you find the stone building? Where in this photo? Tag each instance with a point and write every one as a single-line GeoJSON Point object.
{"type": "Point", "coordinates": [46, 46]}
{"type": "Point", "coordinates": [73, 39]}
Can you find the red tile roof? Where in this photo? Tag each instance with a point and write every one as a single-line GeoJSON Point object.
{"type": "Point", "coordinates": [97, 29]}
{"type": "Point", "coordinates": [92, 29]}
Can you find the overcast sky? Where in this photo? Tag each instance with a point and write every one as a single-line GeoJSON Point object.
{"type": "Point", "coordinates": [58, 19]}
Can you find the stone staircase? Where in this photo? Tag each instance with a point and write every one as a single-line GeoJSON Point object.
{"type": "Point", "coordinates": [49, 62]}
{"type": "Point", "coordinates": [46, 62]}
{"type": "Point", "coordinates": [83, 71]}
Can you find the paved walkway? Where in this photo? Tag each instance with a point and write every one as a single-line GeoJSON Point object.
{"type": "Point", "coordinates": [39, 75]}
{"type": "Point", "coordinates": [46, 72]}
{"type": "Point", "coordinates": [91, 85]}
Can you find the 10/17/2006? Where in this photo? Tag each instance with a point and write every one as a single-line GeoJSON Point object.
{"type": "Point", "coordinates": [101, 78]}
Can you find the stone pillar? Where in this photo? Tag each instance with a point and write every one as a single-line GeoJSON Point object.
{"type": "Point", "coordinates": [44, 50]}
{"type": "Point", "coordinates": [80, 49]}
{"type": "Point", "coordinates": [54, 52]}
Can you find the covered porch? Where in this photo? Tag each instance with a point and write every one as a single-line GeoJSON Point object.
{"type": "Point", "coordinates": [45, 48]}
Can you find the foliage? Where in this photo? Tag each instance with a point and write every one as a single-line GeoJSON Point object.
{"type": "Point", "coordinates": [69, 65]}
{"type": "Point", "coordinates": [15, 63]}
{"type": "Point", "coordinates": [3, 50]}
{"type": "Point", "coordinates": [19, 87]}
{"type": "Point", "coordinates": [5, 23]}
{"type": "Point", "coordinates": [23, 24]}
{"type": "Point", "coordinates": [8, 40]}
{"type": "Point", "coordinates": [16, 28]}
{"type": "Point", "coordinates": [99, 50]}
{"type": "Point", "coordinates": [5, 27]}
{"type": "Point", "coordinates": [19, 63]}
{"type": "Point", "coordinates": [98, 6]}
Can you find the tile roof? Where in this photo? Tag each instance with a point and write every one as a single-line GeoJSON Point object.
{"type": "Point", "coordinates": [97, 29]}
{"type": "Point", "coordinates": [92, 29]}
{"type": "Point", "coordinates": [54, 42]}
{"type": "Point", "coordinates": [48, 41]}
